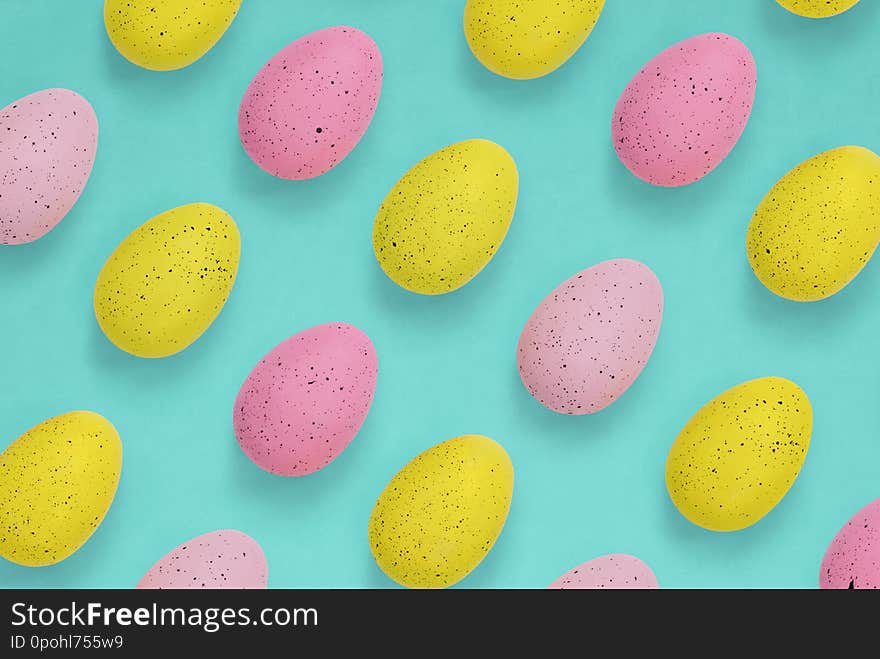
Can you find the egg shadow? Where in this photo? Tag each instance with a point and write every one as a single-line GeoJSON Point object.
{"type": "Point", "coordinates": [531, 94]}
{"type": "Point", "coordinates": [444, 311]}
{"type": "Point", "coordinates": [291, 493]}
{"type": "Point", "coordinates": [686, 205]}
{"type": "Point", "coordinates": [185, 82]}
{"type": "Point", "coordinates": [823, 319]}
{"type": "Point", "coordinates": [572, 430]}
{"type": "Point", "coordinates": [731, 547]}
{"type": "Point", "coordinates": [148, 374]}
{"type": "Point", "coordinates": [304, 201]}
{"type": "Point", "coordinates": [857, 22]}
{"type": "Point", "coordinates": [20, 261]}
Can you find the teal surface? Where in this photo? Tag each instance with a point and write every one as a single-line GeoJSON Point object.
{"type": "Point", "coordinates": [585, 486]}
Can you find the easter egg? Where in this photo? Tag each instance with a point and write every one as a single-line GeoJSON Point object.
{"type": "Point", "coordinates": [47, 148]}
{"type": "Point", "coordinates": [612, 571]}
{"type": "Point", "coordinates": [306, 399]}
{"type": "Point", "coordinates": [221, 559]}
{"type": "Point", "coordinates": [443, 221]}
{"type": "Point", "coordinates": [163, 35]}
{"type": "Point", "coordinates": [167, 281]}
{"type": "Point", "coordinates": [740, 454]}
{"type": "Point", "coordinates": [684, 111]}
{"type": "Point", "coordinates": [57, 482]}
{"type": "Point", "coordinates": [853, 558]}
{"type": "Point", "coordinates": [524, 40]}
{"type": "Point", "coordinates": [440, 515]}
{"type": "Point", "coordinates": [310, 105]}
{"type": "Point", "coordinates": [817, 8]}
{"type": "Point", "coordinates": [818, 226]}
{"type": "Point", "coordinates": [589, 339]}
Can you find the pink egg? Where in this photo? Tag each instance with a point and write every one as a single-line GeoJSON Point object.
{"type": "Point", "coordinates": [307, 399]}
{"type": "Point", "coordinates": [220, 559]}
{"type": "Point", "coordinates": [680, 116]}
{"type": "Point", "coordinates": [309, 106]}
{"type": "Point", "coordinates": [590, 338]}
{"type": "Point", "coordinates": [853, 558]}
{"type": "Point", "coordinates": [616, 571]}
{"type": "Point", "coordinates": [47, 148]}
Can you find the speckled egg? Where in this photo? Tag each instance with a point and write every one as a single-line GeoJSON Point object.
{"type": "Point", "coordinates": [739, 455]}
{"type": "Point", "coordinates": [443, 221]}
{"type": "Point", "coordinates": [524, 39]}
{"type": "Point", "coordinates": [167, 281]}
{"type": "Point", "coordinates": [57, 482]}
{"type": "Point", "coordinates": [309, 105]}
{"type": "Point", "coordinates": [163, 35]}
{"type": "Point", "coordinates": [306, 399]}
{"type": "Point", "coordinates": [818, 226]}
{"type": "Point", "coordinates": [440, 515]}
{"type": "Point", "coordinates": [817, 8]}
{"type": "Point", "coordinates": [48, 142]}
{"type": "Point", "coordinates": [587, 341]}
{"type": "Point", "coordinates": [612, 571]}
{"type": "Point", "coordinates": [681, 115]}
{"type": "Point", "coordinates": [853, 558]}
{"type": "Point", "coordinates": [220, 559]}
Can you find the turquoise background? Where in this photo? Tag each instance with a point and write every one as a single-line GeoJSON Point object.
{"type": "Point", "coordinates": [586, 485]}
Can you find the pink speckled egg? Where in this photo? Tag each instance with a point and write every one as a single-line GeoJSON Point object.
{"type": "Point", "coordinates": [680, 116]}
{"type": "Point", "coordinates": [220, 559]}
{"type": "Point", "coordinates": [311, 103]}
{"type": "Point", "coordinates": [615, 571]}
{"type": "Point", "coordinates": [590, 338]}
{"type": "Point", "coordinates": [853, 557]}
{"type": "Point", "coordinates": [307, 399]}
{"type": "Point", "coordinates": [47, 148]}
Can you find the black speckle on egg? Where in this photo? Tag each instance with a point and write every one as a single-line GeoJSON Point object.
{"type": "Point", "coordinates": [164, 35]}
{"type": "Point", "coordinates": [818, 226]}
{"type": "Point", "coordinates": [612, 572]}
{"type": "Point", "coordinates": [738, 456]}
{"type": "Point", "coordinates": [305, 401]}
{"type": "Point", "coordinates": [309, 106]}
{"type": "Point", "coordinates": [167, 281]}
{"type": "Point", "coordinates": [528, 39]}
{"type": "Point", "coordinates": [817, 8]}
{"type": "Point", "coordinates": [591, 337]}
{"type": "Point", "coordinates": [852, 560]}
{"type": "Point", "coordinates": [442, 513]}
{"type": "Point", "coordinates": [443, 221]}
{"type": "Point", "coordinates": [217, 560]}
{"type": "Point", "coordinates": [57, 482]}
{"type": "Point", "coordinates": [683, 112]}
{"type": "Point", "coordinates": [48, 142]}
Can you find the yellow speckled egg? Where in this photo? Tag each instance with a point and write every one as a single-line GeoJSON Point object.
{"type": "Point", "coordinates": [440, 515]}
{"type": "Point", "coordinates": [525, 39]}
{"type": "Point", "coordinates": [163, 35]}
{"type": "Point", "coordinates": [167, 281]}
{"type": "Point", "coordinates": [817, 8]}
{"type": "Point", "coordinates": [739, 455]}
{"type": "Point", "coordinates": [446, 217]}
{"type": "Point", "coordinates": [57, 482]}
{"type": "Point", "coordinates": [818, 226]}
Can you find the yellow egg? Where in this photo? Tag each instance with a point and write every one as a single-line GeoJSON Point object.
{"type": "Point", "coordinates": [440, 515]}
{"type": "Point", "coordinates": [163, 35]}
{"type": "Point", "coordinates": [446, 217]}
{"type": "Point", "coordinates": [817, 8]}
{"type": "Point", "coordinates": [57, 482]}
{"type": "Point", "coordinates": [818, 226]}
{"type": "Point", "coordinates": [739, 455]}
{"type": "Point", "coordinates": [524, 40]}
{"type": "Point", "coordinates": [167, 281]}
